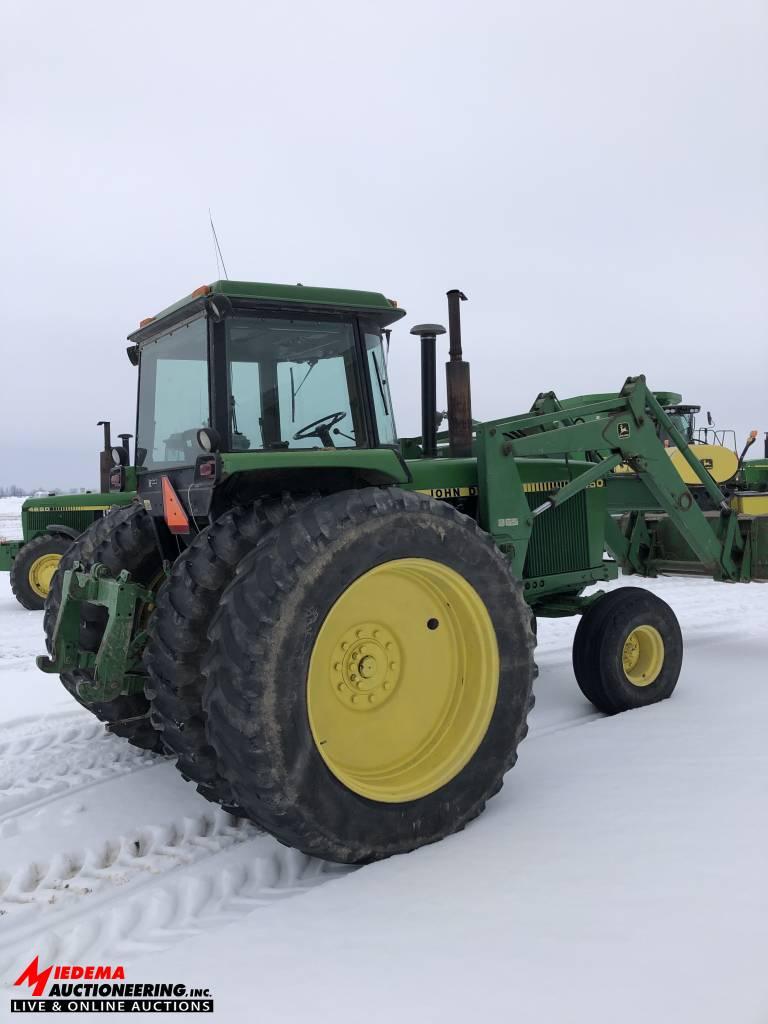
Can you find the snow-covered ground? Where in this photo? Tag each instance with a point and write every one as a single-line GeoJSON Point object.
{"type": "Point", "coordinates": [620, 876]}
{"type": "Point", "coordinates": [10, 518]}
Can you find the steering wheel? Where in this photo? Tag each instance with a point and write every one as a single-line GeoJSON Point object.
{"type": "Point", "coordinates": [321, 429]}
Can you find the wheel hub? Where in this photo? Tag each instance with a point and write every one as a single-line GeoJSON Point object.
{"type": "Point", "coordinates": [365, 666]}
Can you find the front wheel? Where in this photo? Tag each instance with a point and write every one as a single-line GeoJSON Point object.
{"type": "Point", "coordinates": [34, 567]}
{"type": "Point", "coordinates": [369, 675]}
{"type": "Point", "coordinates": [627, 651]}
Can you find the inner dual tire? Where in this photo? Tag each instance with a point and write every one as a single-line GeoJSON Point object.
{"type": "Point", "coordinates": [369, 675]}
{"type": "Point", "coordinates": [627, 651]}
{"type": "Point", "coordinates": [186, 603]}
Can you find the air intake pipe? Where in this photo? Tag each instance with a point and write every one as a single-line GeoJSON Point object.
{"type": "Point", "coordinates": [125, 438]}
{"type": "Point", "coordinates": [457, 382]}
{"type": "Point", "coordinates": [428, 334]}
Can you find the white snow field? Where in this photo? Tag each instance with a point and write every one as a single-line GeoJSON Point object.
{"type": "Point", "coordinates": [620, 876]}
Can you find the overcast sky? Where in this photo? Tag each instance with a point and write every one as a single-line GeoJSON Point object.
{"type": "Point", "coordinates": [594, 175]}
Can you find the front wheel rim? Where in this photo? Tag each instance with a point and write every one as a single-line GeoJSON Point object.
{"type": "Point", "coordinates": [642, 656]}
{"type": "Point", "coordinates": [403, 680]}
{"type": "Point", "coordinates": [41, 573]}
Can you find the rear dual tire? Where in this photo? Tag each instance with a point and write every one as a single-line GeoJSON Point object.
{"type": "Point", "coordinates": [328, 724]}
{"type": "Point", "coordinates": [186, 603]}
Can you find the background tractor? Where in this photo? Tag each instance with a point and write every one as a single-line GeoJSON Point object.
{"type": "Point", "coordinates": [332, 630]}
{"type": "Point", "coordinates": [716, 447]}
{"type": "Point", "coordinates": [49, 524]}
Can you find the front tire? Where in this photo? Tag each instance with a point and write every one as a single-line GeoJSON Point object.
{"type": "Point", "coordinates": [369, 676]}
{"type": "Point", "coordinates": [34, 568]}
{"type": "Point", "coordinates": [627, 651]}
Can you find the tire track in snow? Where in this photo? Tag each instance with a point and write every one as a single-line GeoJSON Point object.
{"type": "Point", "coordinates": [570, 723]}
{"type": "Point", "coordinates": [30, 725]}
{"type": "Point", "coordinates": [64, 759]}
{"type": "Point", "coordinates": [146, 889]}
{"type": "Point", "coordinates": [16, 663]}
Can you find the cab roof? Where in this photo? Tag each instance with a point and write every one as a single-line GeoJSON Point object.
{"type": "Point", "coordinates": [306, 298]}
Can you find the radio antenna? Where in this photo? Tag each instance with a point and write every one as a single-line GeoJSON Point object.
{"type": "Point", "coordinates": [217, 247]}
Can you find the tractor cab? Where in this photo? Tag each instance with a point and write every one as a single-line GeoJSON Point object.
{"type": "Point", "coordinates": [684, 418]}
{"type": "Point", "coordinates": [246, 367]}
{"type": "Point", "coordinates": [254, 369]}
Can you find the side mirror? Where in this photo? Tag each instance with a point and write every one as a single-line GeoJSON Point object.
{"type": "Point", "coordinates": [208, 439]}
{"type": "Point", "coordinates": [120, 456]}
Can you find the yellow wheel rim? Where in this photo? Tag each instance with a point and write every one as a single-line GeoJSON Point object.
{"type": "Point", "coordinates": [402, 680]}
{"type": "Point", "coordinates": [41, 573]}
{"type": "Point", "coordinates": [643, 656]}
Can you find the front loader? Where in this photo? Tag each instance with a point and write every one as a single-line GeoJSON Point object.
{"type": "Point", "coordinates": [333, 630]}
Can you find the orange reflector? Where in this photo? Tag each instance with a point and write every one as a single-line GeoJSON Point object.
{"type": "Point", "coordinates": [145, 321]}
{"type": "Point", "coordinates": [173, 510]}
{"type": "Point", "coordinates": [204, 289]}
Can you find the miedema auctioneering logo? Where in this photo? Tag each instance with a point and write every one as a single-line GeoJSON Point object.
{"type": "Point", "coordinates": [101, 988]}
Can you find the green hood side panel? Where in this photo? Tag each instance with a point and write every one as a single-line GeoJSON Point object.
{"type": "Point", "coordinates": [75, 511]}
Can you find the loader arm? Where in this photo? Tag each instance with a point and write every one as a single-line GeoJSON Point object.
{"type": "Point", "coordinates": [627, 428]}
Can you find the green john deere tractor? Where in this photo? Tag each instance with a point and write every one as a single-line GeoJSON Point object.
{"type": "Point", "coordinates": [50, 523]}
{"type": "Point", "coordinates": [333, 630]}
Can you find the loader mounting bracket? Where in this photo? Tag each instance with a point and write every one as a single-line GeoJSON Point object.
{"type": "Point", "coordinates": [116, 666]}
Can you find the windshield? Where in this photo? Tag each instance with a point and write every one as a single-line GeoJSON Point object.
{"type": "Point", "coordinates": [293, 384]}
{"type": "Point", "coordinates": [684, 421]}
{"type": "Point", "coordinates": [173, 396]}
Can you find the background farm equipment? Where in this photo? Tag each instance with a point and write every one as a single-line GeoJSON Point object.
{"type": "Point", "coordinates": [332, 630]}
{"type": "Point", "coordinates": [50, 524]}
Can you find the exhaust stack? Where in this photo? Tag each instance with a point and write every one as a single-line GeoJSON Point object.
{"type": "Point", "coordinates": [105, 456]}
{"type": "Point", "coordinates": [457, 382]}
